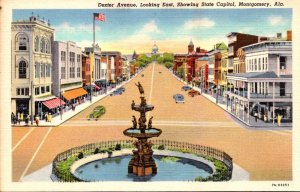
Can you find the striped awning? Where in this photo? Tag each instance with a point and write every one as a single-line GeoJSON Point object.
{"type": "Point", "coordinates": [53, 103]}
{"type": "Point", "coordinates": [74, 93]}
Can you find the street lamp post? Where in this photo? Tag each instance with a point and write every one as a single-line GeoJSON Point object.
{"type": "Point", "coordinates": [60, 95]}
{"type": "Point", "coordinates": [31, 98]}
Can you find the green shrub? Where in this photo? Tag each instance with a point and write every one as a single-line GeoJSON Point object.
{"type": "Point", "coordinates": [63, 169]}
{"type": "Point", "coordinates": [118, 147]}
{"type": "Point", "coordinates": [161, 147]}
{"type": "Point", "coordinates": [80, 155]}
{"type": "Point", "coordinates": [97, 150]}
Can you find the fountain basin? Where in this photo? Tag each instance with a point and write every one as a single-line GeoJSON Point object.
{"type": "Point", "coordinates": [101, 168]}
{"type": "Point", "coordinates": [138, 133]}
{"type": "Point", "coordinates": [143, 108]}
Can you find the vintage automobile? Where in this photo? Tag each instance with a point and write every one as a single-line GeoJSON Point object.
{"type": "Point", "coordinates": [186, 88]}
{"type": "Point", "coordinates": [178, 98]}
{"type": "Point", "coordinates": [193, 92]}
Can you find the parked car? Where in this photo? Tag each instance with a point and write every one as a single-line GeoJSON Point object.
{"type": "Point", "coordinates": [193, 92]}
{"type": "Point", "coordinates": [116, 92]}
{"type": "Point", "coordinates": [178, 98]}
{"type": "Point", "coordinates": [186, 88]}
{"type": "Point", "coordinates": [121, 89]}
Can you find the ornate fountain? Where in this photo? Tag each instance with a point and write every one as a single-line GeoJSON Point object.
{"type": "Point", "coordinates": [142, 162]}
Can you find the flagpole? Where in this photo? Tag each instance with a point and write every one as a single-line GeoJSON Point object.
{"type": "Point", "coordinates": [91, 86]}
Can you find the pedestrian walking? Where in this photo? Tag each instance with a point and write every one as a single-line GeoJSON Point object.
{"type": "Point", "coordinates": [37, 119]}
{"type": "Point", "coordinates": [26, 119]}
{"type": "Point", "coordinates": [22, 117]}
{"type": "Point", "coordinates": [255, 116]}
{"type": "Point", "coordinates": [266, 117]}
{"type": "Point", "coordinates": [46, 116]}
{"type": "Point", "coordinates": [12, 116]}
{"type": "Point", "coordinates": [279, 119]}
{"type": "Point", "coordinates": [49, 117]}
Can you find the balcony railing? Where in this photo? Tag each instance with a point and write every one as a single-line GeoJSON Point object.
{"type": "Point", "coordinates": [261, 96]}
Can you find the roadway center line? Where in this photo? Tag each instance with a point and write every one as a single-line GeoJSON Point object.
{"type": "Point", "coordinates": [150, 96]}
{"type": "Point", "coordinates": [23, 138]}
{"type": "Point", "coordinates": [35, 153]}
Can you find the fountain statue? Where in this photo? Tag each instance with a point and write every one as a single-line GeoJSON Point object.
{"type": "Point", "coordinates": [142, 162]}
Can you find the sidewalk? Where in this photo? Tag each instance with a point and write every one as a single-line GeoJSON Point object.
{"type": "Point", "coordinates": [259, 124]}
{"type": "Point", "coordinates": [57, 120]}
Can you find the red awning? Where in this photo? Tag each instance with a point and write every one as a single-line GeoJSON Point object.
{"type": "Point", "coordinates": [97, 87]}
{"type": "Point", "coordinates": [53, 103]}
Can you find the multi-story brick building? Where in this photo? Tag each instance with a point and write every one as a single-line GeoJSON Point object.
{"type": "Point", "coordinates": [236, 41]}
{"type": "Point", "coordinates": [31, 65]}
{"type": "Point", "coordinates": [190, 60]}
{"type": "Point", "coordinates": [86, 69]}
{"type": "Point", "coordinates": [114, 65]}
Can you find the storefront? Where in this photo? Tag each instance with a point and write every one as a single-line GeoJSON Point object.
{"type": "Point", "coordinates": [75, 96]}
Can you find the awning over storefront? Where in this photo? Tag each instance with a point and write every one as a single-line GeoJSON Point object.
{"type": "Point", "coordinates": [96, 86]}
{"type": "Point", "coordinates": [53, 103]}
{"type": "Point", "coordinates": [72, 94]}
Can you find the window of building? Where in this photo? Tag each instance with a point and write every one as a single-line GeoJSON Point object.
{"type": "Point", "coordinates": [37, 91]}
{"type": "Point", "coordinates": [42, 45]}
{"type": "Point", "coordinates": [22, 42]}
{"type": "Point", "coordinates": [37, 70]}
{"type": "Point", "coordinates": [78, 71]}
{"type": "Point", "coordinates": [23, 91]}
{"type": "Point", "coordinates": [43, 70]}
{"type": "Point", "coordinates": [63, 56]}
{"type": "Point", "coordinates": [36, 44]}
{"type": "Point", "coordinates": [22, 70]}
{"type": "Point", "coordinates": [42, 90]}
{"type": "Point", "coordinates": [48, 47]}
{"type": "Point", "coordinates": [282, 62]}
{"type": "Point", "coordinates": [78, 58]}
{"type": "Point", "coordinates": [47, 88]}
{"type": "Point", "coordinates": [63, 72]}
{"type": "Point", "coordinates": [72, 72]}
{"type": "Point", "coordinates": [282, 88]}
{"type": "Point", "coordinates": [72, 57]}
{"type": "Point", "coordinates": [48, 70]}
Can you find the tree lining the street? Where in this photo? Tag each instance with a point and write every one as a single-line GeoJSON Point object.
{"type": "Point", "coordinates": [166, 59]}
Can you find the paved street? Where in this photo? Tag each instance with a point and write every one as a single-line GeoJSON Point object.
{"type": "Point", "coordinates": [265, 154]}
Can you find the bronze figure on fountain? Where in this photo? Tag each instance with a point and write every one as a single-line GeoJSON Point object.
{"type": "Point", "coordinates": [142, 162]}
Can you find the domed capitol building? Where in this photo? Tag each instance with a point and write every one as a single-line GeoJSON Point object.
{"type": "Point", "coordinates": [154, 49]}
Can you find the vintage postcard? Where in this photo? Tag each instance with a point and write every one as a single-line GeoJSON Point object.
{"type": "Point", "coordinates": [149, 95]}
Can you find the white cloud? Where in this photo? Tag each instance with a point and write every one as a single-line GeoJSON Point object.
{"type": "Point", "coordinates": [150, 27]}
{"type": "Point", "coordinates": [77, 28]}
{"type": "Point", "coordinates": [275, 20]}
{"type": "Point", "coordinates": [199, 23]}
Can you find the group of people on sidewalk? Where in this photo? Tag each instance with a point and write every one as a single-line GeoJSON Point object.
{"type": "Point", "coordinates": [20, 117]}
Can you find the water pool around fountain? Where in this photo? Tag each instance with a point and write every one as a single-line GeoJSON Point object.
{"type": "Point", "coordinates": [115, 169]}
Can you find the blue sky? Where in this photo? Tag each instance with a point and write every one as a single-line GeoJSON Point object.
{"type": "Point", "coordinates": [126, 30]}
